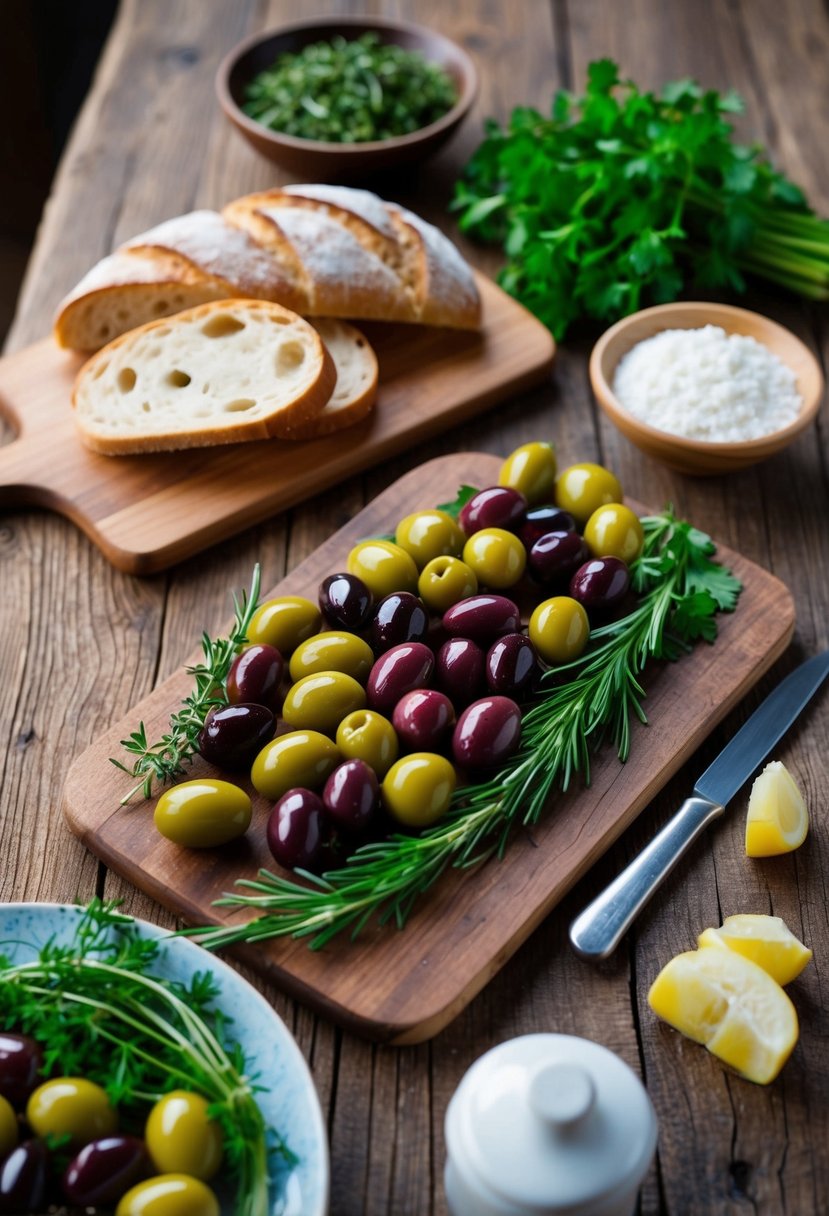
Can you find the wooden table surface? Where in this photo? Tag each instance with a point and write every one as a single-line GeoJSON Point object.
{"type": "Point", "coordinates": [80, 643]}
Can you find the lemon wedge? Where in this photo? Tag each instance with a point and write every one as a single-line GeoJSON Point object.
{"type": "Point", "coordinates": [777, 820]}
{"type": "Point", "coordinates": [731, 1006]}
{"type": "Point", "coordinates": [766, 940]}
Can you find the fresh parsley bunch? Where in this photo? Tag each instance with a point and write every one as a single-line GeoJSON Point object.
{"type": "Point", "coordinates": [623, 198]}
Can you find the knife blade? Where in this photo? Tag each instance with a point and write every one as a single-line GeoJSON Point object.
{"type": "Point", "coordinates": [597, 931]}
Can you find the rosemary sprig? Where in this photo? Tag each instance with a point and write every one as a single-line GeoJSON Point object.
{"type": "Point", "coordinates": [680, 591]}
{"type": "Point", "coordinates": [165, 760]}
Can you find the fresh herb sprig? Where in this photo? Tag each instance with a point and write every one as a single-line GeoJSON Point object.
{"type": "Point", "coordinates": [99, 1011]}
{"type": "Point", "coordinates": [622, 197]}
{"type": "Point", "coordinates": [164, 761]}
{"type": "Point", "coordinates": [680, 590]}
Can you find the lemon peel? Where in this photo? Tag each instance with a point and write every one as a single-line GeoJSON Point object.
{"type": "Point", "coordinates": [766, 940]}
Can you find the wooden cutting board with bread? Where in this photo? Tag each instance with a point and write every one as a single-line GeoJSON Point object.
{"type": "Point", "coordinates": [230, 335]}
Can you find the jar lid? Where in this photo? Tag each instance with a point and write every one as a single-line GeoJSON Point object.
{"type": "Point", "coordinates": [552, 1122]}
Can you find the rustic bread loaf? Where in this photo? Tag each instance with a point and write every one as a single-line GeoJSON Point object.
{"type": "Point", "coordinates": [356, 388]}
{"type": "Point", "coordinates": [224, 372]}
{"type": "Point", "coordinates": [319, 250]}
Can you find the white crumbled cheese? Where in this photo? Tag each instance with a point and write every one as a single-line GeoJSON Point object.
{"type": "Point", "coordinates": [705, 384]}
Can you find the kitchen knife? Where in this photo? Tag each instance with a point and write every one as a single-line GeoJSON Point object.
{"type": "Point", "coordinates": [596, 933]}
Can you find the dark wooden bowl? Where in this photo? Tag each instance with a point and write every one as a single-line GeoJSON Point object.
{"type": "Point", "coordinates": [323, 161]}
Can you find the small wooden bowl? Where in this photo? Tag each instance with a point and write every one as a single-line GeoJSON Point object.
{"type": "Point", "coordinates": [694, 455]}
{"type": "Point", "coordinates": [318, 160]}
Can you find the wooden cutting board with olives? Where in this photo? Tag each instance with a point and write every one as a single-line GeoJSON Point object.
{"type": "Point", "coordinates": [405, 706]}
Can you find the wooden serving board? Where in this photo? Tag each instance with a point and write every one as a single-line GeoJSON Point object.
{"type": "Point", "coordinates": [147, 512]}
{"type": "Point", "coordinates": [403, 987]}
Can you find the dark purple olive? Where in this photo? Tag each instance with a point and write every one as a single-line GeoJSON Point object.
{"type": "Point", "coordinates": [600, 583]}
{"type": "Point", "coordinates": [512, 666]}
{"type": "Point", "coordinates": [233, 735]}
{"type": "Point", "coordinates": [459, 670]}
{"type": "Point", "coordinates": [352, 795]}
{"type": "Point", "coordinates": [397, 671]}
{"type": "Point", "coordinates": [296, 830]}
{"type": "Point", "coordinates": [423, 719]}
{"type": "Point", "coordinates": [105, 1169]}
{"type": "Point", "coordinates": [255, 676]}
{"type": "Point", "coordinates": [398, 618]}
{"type": "Point", "coordinates": [541, 520]}
{"type": "Point", "coordinates": [556, 555]}
{"type": "Point", "coordinates": [495, 507]}
{"type": "Point", "coordinates": [23, 1177]}
{"type": "Point", "coordinates": [482, 618]}
{"type": "Point", "coordinates": [345, 602]}
{"type": "Point", "coordinates": [21, 1060]}
{"type": "Point", "coordinates": [488, 732]}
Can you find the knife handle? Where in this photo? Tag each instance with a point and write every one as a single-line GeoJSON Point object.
{"type": "Point", "coordinates": [597, 931]}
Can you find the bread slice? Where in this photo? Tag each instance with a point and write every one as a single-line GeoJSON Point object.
{"type": "Point", "coordinates": [356, 389]}
{"type": "Point", "coordinates": [226, 372]}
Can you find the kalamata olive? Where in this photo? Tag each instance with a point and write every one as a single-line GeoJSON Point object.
{"type": "Point", "coordinates": [284, 623]}
{"type": "Point", "coordinates": [423, 719]}
{"type": "Point", "coordinates": [444, 581]}
{"type": "Point", "coordinates": [417, 789]}
{"type": "Point", "coordinates": [23, 1178]}
{"type": "Point", "coordinates": [399, 670]}
{"type": "Point", "coordinates": [581, 488]}
{"type": "Point", "coordinates": [104, 1169]}
{"type": "Point", "coordinates": [71, 1106]}
{"type": "Point", "coordinates": [512, 667]}
{"type": "Point", "coordinates": [540, 520]}
{"type": "Point", "coordinates": [600, 583]}
{"type": "Point", "coordinates": [202, 814]}
{"type": "Point", "coordinates": [487, 733]}
{"type": "Point", "coordinates": [482, 618]}
{"type": "Point", "coordinates": [333, 650]}
{"type": "Point", "coordinates": [383, 566]}
{"type": "Point", "coordinates": [9, 1130]}
{"type": "Point", "coordinates": [614, 531]}
{"type": "Point", "coordinates": [428, 534]}
{"type": "Point", "coordinates": [346, 602]}
{"type": "Point", "coordinates": [255, 676]}
{"type": "Point", "coordinates": [366, 735]}
{"type": "Point", "coordinates": [559, 629]}
{"type": "Point", "coordinates": [532, 470]}
{"type": "Point", "coordinates": [321, 701]}
{"type": "Point", "coordinates": [300, 758]}
{"type": "Point", "coordinates": [351, 795]}
{"type": "Point", "coordinates": [556, 556]}
{"type": "Point", "coordinates": [296, 829]}
{"type": "Point", "coordinates": [169, 1195]}
{"type": "Point", "coordinates": [399, 617]}
{"type": "Point", "coordinates": [459, 670]}
{"type": "Point", "coordinates": [495, 507]}
{"type": "Point", "coordinates": [21, 1059]}
{"type": "Point", "coordinates": [182, 1138]}
{"type": "Point", "coordinates": [496, 557]}
{"type": "Point", "coordinates": [233, 735]}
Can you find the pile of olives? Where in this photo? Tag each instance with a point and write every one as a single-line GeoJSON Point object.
{"type": "Point", "coordinates": [60, 1142]}
{"type": "Point", "coordinates": [412, 666]}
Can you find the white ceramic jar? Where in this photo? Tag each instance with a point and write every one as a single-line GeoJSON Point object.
{"type": "Point", "coordinates": [548, 1125]}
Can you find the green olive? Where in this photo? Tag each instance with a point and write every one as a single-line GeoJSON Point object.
{"type": "Point", "coordinates": [180, 1137]}
{"type": "Point", "coordinates": [614, 531]}
{"type": "Point", "coordinates": [496, 557]}
{"type": "Point", "coordinates": [321, 701]}
{"type": "Point", "coordinates": [9, 1132]}
{"type": "Point", "coordinates": [418, 788]}
{"type": "Point", "coordinates": [302, 758]}
{"type": "Point", "coordinates": [582, 488]}
{"type": "Point", "coordinates": [203, 813]}
{"type": "Point", "coordinates": [559, 629]}
{"type": "Point", "coordinates": [169, 1195]}
{"type": "Point", "coordinates": [444, 581]}
{"type": "Point", "coordinates": [531, 469]}
{"type": "Point", "coordinates": [71, 1106]}
{"type": "Point", "coordinates": [383, 567]}
{"type": "Point", "coordinates": [428, 534]}
{"type": "Point", "coordinates": [284, 622]}
{"type": "Point", "coordinates": [368, 736]}
{"type": "Point", "coordinates": [332, 651]}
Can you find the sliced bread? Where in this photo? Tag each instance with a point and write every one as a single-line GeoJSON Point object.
{"type": "Point", "coordinates": [225, 372]}
{"type": "Point", "coordinates": [356, 389]}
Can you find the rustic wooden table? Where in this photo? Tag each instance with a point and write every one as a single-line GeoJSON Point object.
{"type": "Point", "coordinates": [79, 642]}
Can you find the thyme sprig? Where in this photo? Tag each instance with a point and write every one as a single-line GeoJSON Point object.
{"type": "Point", "coordinates": [163, 762]}
{"type": "Point", "coordinates": [595, 697]}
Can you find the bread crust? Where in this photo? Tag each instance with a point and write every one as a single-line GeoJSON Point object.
{"type": "Point", "coordinates": [342, 412]}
